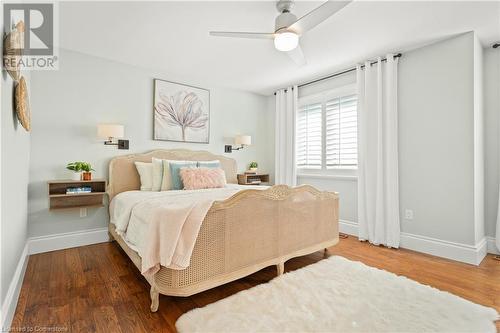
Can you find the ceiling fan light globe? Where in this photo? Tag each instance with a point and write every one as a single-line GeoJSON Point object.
{"type": "Point", "coordinates": [286, 41]}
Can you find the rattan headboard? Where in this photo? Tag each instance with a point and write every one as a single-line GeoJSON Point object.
{"type": "Point", "coordinates": [123, 174]}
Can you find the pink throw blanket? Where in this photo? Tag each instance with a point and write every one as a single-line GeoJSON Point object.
{"type": "Point", "coordinates": [178, 223]}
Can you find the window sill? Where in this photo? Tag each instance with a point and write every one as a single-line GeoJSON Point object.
{"type": "Point", "coordinates": [332, 177]}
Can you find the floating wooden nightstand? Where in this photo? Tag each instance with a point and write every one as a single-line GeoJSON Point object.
{"type": "Point", "coordinates": [252, 179]}
{"type": "Point", "coordinates": [59, 199]}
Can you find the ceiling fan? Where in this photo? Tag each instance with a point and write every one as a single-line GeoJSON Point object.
{"type": "Point", "coordinates": [288, 29]}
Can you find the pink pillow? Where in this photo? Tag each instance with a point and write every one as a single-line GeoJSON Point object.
{"type": "Point", "coordinates": [200, 178]}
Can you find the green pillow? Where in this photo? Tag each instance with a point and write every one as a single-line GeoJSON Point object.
{"type": "Point", "coordinates": [175, 168]}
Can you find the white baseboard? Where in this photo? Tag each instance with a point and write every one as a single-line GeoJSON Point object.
{"type": "Point", "coordinates": [470, 254]}
{"type": "Point", "coordinates": [10, 303]}
{"type": "Point", "coordinates": [348, 227]}
{"type": "Point", "coordinates": [67, 240]}
{"type": "Point", "coordinates": [492, 248]}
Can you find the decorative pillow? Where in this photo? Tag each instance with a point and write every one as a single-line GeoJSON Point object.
{"type": "Point", "coordinates": [157, 174]}
{"type": "Point", "coordinates": [209, 164]}
{"type": "Point", "coordinates": [166, 183]}
{"type": "Point", "coordinates": [175, 167]}
{"type": "Point", "coordinates": [200, 178]}
{"type": "Point", "coordinates": [145, 171]}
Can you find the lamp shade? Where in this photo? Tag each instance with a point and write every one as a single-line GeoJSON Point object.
{"type": "Point", "coordinates": [110, 131]}
{"type": "Point", "coordinates": [243, 140]}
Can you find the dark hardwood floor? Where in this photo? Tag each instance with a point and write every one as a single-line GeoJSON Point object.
{"type": "Point", "coordinates": [96, 288]}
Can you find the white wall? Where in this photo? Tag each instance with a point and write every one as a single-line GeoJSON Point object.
{"type": "Point", "coordinates": [492, 137]}
{"type": "Point", "coordinates": [86, 90]}
{"type": "Point", "coordinates": [436, 149]}
{"type": "Point", "coordinates": [436, 131]}
{"type": "Point", "coordinates": [15, 142]}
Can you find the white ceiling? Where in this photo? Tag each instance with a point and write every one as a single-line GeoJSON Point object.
{"type": "Point", "coordinates": [173, 36]}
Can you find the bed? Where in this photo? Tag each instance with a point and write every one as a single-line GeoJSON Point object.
{"type": "Point", "coordinates": [242, 234]}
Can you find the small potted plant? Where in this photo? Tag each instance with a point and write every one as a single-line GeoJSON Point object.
{"type": "Point", "coordinates": [253, 166]}
{"type": "Point", "coordinates": [87, 171]}
{"type": "Point", "coordinates": [81, 170]}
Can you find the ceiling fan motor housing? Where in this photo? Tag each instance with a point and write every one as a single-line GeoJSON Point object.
{"type": "Point", "coordinates": [283, 21]}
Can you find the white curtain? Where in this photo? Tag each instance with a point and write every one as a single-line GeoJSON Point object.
{"type": "Point", "coordinates": [378, 188]}
{"type": "Point", "coordinates": [286, 112]}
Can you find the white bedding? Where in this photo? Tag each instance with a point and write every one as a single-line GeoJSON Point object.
{"type": "Point", "coordinates": [132, 211]}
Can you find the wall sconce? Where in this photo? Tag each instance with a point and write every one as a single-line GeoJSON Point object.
{"type": "Point", "coordinates": [111, 132]}
{"type": "Point", "coordinates": [241, 140]}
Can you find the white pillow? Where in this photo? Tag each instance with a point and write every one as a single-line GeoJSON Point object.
{"type": "Point", "coordinates": [145, 171]}
{"type": "Point", "coordinates": [157, 174]}
{"type": "Point", "coordinates": [209, 164]}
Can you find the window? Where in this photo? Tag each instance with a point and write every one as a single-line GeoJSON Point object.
{"type": "Point", "coordinates": [309, 136]}
{"type": "Point", "coordinates": [327, 131]}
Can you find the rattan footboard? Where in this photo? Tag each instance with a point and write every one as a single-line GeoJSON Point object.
{"type": "Point", "coordinates": [247, 232]}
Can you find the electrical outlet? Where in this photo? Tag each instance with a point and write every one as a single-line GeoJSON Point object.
{"type": "Point", "coordinates": [408, 214]}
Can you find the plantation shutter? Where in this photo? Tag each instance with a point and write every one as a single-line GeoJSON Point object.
{"type": "Point", "coordinates": [309, 140]}
{"type": "Point", "coordinates": [341, 132]}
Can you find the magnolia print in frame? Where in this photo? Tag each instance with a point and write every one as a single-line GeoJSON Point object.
{"type": "Point", "coordinates": [181, 112]}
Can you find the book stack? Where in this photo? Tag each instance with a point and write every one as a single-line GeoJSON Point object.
{"type": "Point", "coordinates": [79, 190]}
{"type": "Point", "coordinates": [250, 172]}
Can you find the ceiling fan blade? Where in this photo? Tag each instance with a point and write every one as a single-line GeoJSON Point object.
{"type": "Point", "coordinates": [252, 35]}
{"type": "Point", "coordinates": [318, 15]}
{"type": "Point", "coordinates": [297, 56]}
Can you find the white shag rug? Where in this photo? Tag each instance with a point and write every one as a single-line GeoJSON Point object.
{"type": "Point", "coordinates": [339, 295]}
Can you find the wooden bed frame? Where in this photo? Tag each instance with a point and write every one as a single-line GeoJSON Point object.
{"type": "Point", "coordinates": [241, 235]}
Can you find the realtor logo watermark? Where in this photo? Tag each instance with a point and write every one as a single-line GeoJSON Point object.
{"type": "Point", "coordinates": [31, 36]}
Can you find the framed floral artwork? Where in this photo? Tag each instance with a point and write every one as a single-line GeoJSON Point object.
{"type": "Point", "coordinates": [181, 112]}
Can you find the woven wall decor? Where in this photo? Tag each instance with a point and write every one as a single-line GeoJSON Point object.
{"type": "Point", "coordinates": [22, 104]}
{"type": "Point", "coordinates": [12, 50]}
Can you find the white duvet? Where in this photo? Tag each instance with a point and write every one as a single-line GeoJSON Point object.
{"type": "Point", "coordinates": [140, 217]}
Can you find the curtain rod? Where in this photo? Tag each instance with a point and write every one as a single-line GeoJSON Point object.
{"type": "Point", "coordinates": [342, 72]}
